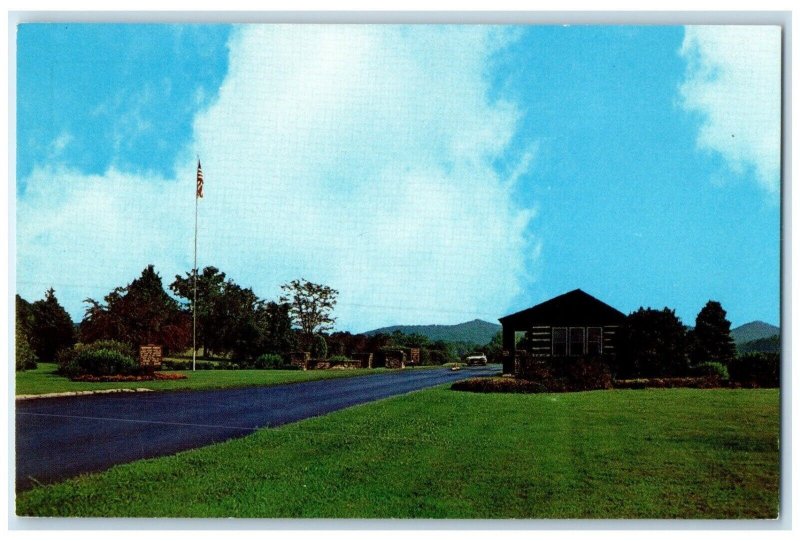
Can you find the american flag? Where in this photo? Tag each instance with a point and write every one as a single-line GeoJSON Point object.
{"type": "Point", "coordinates": [199, 180]}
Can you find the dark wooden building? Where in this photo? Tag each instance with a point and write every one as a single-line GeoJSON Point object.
{"type": "Point", "coordinates": [571, 324]}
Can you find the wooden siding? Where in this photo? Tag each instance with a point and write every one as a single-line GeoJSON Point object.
{"type": "Point", "coordinates": [540, 338]}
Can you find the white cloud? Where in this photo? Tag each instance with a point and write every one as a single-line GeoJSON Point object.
{"type": "Point", "coordinates": [60, 144]}
{"type": "Point", "coordinates": [733, 79]}
{"type": "Point", "coordinates": [357, 156]}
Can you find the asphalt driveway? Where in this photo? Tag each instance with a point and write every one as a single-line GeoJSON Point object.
{"type": "Point", "coordinates": [58, 438]}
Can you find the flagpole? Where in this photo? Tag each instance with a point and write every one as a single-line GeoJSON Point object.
{"type": "Point", "coordinates": [194, 303]}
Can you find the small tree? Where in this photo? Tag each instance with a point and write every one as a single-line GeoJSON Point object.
{"type": "Point", "coordinates": [319, 347]}
{"type": "Point", "coordinates": [711, 338]}
{"type": "Point", "coordinates": [51, 327]}
{"type": "Point", "coordinates": [310, 306]}
{"type": "Point", "coordinates": [652, 343]}
{"type": "Point", "coordinates": [25, 357]}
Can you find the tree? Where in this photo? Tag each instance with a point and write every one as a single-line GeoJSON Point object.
{"type": "Point", "coordinates": [319, 347]}
{"type": "Point", "coordinates": [210, 289]}
{"type": "Point", "coordinates": [651, 343]}
{"type": "Point", "coordinates": [51, 328]}
{"type": "Point", "coordinates": [25, 357]}
{"type": "Point", "coordinates": [232, 319]}
{"type": "Point", "coordinates": [311, 306]}
{"type": "Point", "coordinates": [711, 338]}
{"type": "Point", "coordinates": [494, 349]}
{"type": "Point", "coordinates": [279, 336]}
{"type": "Point", "coordinates": [139, 313]}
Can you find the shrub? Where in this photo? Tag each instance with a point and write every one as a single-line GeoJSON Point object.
{"type": "Point", "coordinates": [711, 369]}
{"type": "Point", "coordinates": [756, 370]}
{"type": "Point", "coordinates": [319, 347]}
{"type": "Point", "coordinates": [69, 359]}
{"type": "Point", "coordinates": [564, 374]}
{"type": "Point", "coordinates": [25, 357]}
{"type": "Point", "coordinates": [177, 364]}
{"type": "Point", "coordinates": [268, 361]}
{"type": "Point", "coordinates": [587, 373]}
{"type": "Point", "coordinates": [338, 359]}
{"type": "Point", "coordinates": [174, 364]}
{"type": "Point", "coordinates": [437, 357]}
{"type": "Point", "coordinates": [101, 362]}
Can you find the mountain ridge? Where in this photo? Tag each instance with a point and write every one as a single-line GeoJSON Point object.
{"type": "Point", "coordinates": [481, 332]}
{"type": "Point", "coordinates": [476, 331]}
{"type": "Point", "coordinates": [755, 330]}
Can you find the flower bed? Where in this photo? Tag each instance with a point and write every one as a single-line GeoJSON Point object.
{"type": "Point", "coordinates": [704, 382]}
{"type": "Point", "coordinates": [498, 385]}
{"type": "Point", "coordinates": [123, 378]}
{"type": "Point", "coordinates": [562, 385]}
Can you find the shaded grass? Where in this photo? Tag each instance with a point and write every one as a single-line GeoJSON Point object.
{"type": "Point", "coordinates": [44, 379]}
{"type": "Point", "coordinates": [666, 453]}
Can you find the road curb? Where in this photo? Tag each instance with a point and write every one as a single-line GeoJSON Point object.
{"type": "Point", "coordinates": [81, 393]}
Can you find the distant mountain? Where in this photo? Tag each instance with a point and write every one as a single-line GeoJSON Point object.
{"type": "Point", "coordinates": [476, 331]}
{"type": "Point", "coordinates": [761, 345]}
{"type": "Point", "coordinates": [755, 330]}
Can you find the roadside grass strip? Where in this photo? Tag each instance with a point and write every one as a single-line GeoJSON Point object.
{"type": "Point", "coordinates": [439, 453]}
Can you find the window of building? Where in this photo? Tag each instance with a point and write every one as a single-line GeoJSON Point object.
{"type": "Point", "coordinates": [559, 341]}
{"type": "Point", "coordinates": [594, 340]}
{"type": "Point", "coordinates": [577, 340]}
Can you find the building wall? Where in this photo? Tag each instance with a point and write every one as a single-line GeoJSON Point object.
{"type": "Point", "coordinates": [562, 340]}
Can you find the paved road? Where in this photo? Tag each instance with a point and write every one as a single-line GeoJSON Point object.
{"type": "Point", "coordinates": [59, 438]}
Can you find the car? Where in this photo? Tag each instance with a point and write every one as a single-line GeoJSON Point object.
{"type": "Point", "coordinates": [473, 360]}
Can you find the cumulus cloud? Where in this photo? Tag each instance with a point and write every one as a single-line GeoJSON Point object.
{"type": "Point", "coordinates": [733, 79]}
{"type": "Point", "coordinates": [361, 157]}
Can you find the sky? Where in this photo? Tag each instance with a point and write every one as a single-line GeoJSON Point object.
{"type": "Point", "coordinates": [430, 174]}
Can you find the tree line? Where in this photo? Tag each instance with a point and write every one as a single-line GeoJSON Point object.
{"type": "Point", "coordinates": [233, 323]}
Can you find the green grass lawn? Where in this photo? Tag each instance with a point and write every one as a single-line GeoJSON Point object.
{"type": "Point", "coordinates": [665, 453]}
{"type": "Point", "coordinates": [45, 380]}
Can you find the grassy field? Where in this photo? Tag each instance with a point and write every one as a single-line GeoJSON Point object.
{"type": "Point", "coordinates": [666, 453]}
{"type": "Point", "coordinates": [45, 380]}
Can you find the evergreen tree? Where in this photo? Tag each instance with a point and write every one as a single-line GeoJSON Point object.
{"type": "Point", "coordinates": [319, 347]}
{"type": "Point", "coordinates": [51, 328]}
{"type": "Point", "coordinates": [25, 357]}
{"type": "Point", "coordinates": [651, 343]}
{"type": "Point", "coordinates": [711, 338]}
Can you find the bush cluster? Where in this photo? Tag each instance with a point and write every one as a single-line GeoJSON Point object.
{"type": "Point", "coordinates": [755, 370]}
{"type": "Point", "coordinates": [712, 369]}
{"type": "Point", "coordinates": [564, 374]}
{"type": "Point", "coordinates": [175, 364]}
{"type": "Point", "coordinates": [269, 361]}
{"type": "Point", "coordinates": [101, 358]}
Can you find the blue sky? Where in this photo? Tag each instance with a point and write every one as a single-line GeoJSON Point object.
{"type": "Point", "coordinates": [430, 174]}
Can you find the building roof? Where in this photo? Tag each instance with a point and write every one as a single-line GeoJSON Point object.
{"type": "Point", "coordinates": [574, 308]}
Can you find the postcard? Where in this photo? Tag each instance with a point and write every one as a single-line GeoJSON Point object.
{"type": "Point", "coordinates": [398, 271]}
